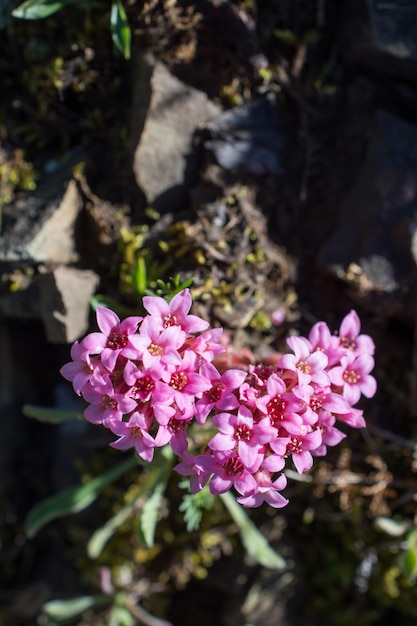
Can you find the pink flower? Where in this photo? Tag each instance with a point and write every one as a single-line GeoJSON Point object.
{"type": "Point", "coordinates": [134, 434]}
{"type": "Point", "coordinates": [174, 433]}
{"type": "Point", "coordinates": [241, 431]}
{"type": "Point", "coordinates": [317, 399]}
{"type": "Point", "coordinates": [282, 407]}
{"type": "Point", "coordinates": [159, 349]}
{"type": "Point", "coordinates": [331, 436]}
{"type": "Point", "coordinates": [278, 316]}
{"type": "Point", "coordinates": [309, 367]}
{"type": "Point", "coordinates": [185, 380]}
{"type": "Point", "coordinates": [82, 369]}
{"type": "Point", "coordinates": [354, 378]}
{"type": "Point", "coordinates": [354, 418]}
{"type": "Point", "coordinates": [300, 447]}
{"type": "Point", "coordinates": [206, 345]}
{"type": "Point", "coordinates": [227, 471]}
{"type": "Point", "coordinates": [321, 339]}
{"type": "Point", "coordinates": [147, 379]}
{"type": "Point", "coordinates": [114, 339]}
{"type": "Point", "coordinates": [267, 490]}
{"type": "Point", "coordinates": [220, 395]}
{"type": "Point", "coordinates": [106, 406]}
{"type": "Point", "coordinates": [174, 313]}
{"type": "Point", "coordinates": [199, 468]}
{"type": "Point", "coordinates": [350, 339]}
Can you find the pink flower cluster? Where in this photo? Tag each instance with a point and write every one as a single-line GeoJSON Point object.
{"type": "Point", "coordinates": [152, 381]}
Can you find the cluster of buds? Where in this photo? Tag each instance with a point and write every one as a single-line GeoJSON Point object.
{"type": "Point", "coordinates": [152, 381]}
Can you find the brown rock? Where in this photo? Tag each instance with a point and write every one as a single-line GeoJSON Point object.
{"type": "Point", "coordinates": [164, 159]}
{"type": "Point", "coordinates": [40, 227]}
{"type": "Point", "coordinates": [64, 297]}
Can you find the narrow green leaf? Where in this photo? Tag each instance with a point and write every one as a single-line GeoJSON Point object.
{"type": "Point", "coordinates": [38, 9]}
{"type": "Point", "coordinates": [120, 29]}
{"type": "Point", "coordinates": [409, 563]}
{"type": "Point", "coordinates": [161, 468]}
{"type": "Point", "coordinates": [140, 276]}
{"type": "Point", "coordinates": [150, 513]}
{"type": "Point", "coordinates": [102, 535]}
{"type": "Point", "coordinates": [51, 416]}
{"type": "Point", "coordinates": [152, 506]}
{"type": "Point", "coordinates": [409, 557]}
{"type": "Point", "coordinates": [61, 610]}
{"type": "Point", "coordinates": [74, 499]}
{"type": "Point", "coordinates": [253, 541]}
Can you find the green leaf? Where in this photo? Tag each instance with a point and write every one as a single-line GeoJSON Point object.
{"type": "Point", "coordinates": [151, 508]}
{"type": "Point", "coordinates": [74, 499]}
{"type": "Point", "coordinates": [192, 506]}
{"type": "Point", "coordinates": [120, 29]}
{"type": "Point", "coordinates": [408, 559]}
{"type": "Point", "coordinates": [38, 9]}
{"type": "Point", "coordinates": [62, 610]}
{"type": "Point", "coordinates": [409, 563]}
{"type": "Point", "coordinates": [160, 470]}
{"type": "Point", "coordinates": [51, 416]}
{"type": "Point", "coordinates": [102, 535]}
{"type": "Point", "coordinates": [393, 528]}
{"type": "Point", "coordinates": [140, 276]}
{"type": "Point", "coordinates": [150, 514]}
{"type": "Point", "coordinates": [254, 542]}
{"type": "Point", "coordinates": [121, 616]}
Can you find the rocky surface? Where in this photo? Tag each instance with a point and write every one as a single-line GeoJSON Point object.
{"type": "Point", "coordinates": [166, 157]}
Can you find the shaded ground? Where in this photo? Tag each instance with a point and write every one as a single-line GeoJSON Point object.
{"type": "Point", "coordinates": [281, 211]}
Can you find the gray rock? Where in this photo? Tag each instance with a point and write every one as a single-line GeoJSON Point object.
{"type": "Point", "coordinates": [39, 227]}
{"type": "Point", "coordinates": [64, 296]}
{"type": "Point", "coordinates": [376, 227]}
{"type": "Point", "coordinates": [394, 26]}
{"type": "Point", "coordinates": [165, 162]}
{"type": "Point", "coordinates": [249, 139]}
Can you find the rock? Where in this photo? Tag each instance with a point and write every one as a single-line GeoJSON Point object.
{"type": "Point", "coordinates": [165, 159]}
{"type": "Point", "coordinates": [64, 296]}
{"type": "Point", "coordinates": [372, 245]}
{"type": "Point", "coordinates": [394, 27]}
{"type": "Point", "coordinates": [249, 139]}
{"type": "Point", "coordinates": [39, 227]}
{"type": "Point", "coordinates": [387, 53]}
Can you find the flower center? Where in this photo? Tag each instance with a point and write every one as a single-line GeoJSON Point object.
{"type": "Point", "coordinates": [243, 432]}
{"type": "Point", "coordinates": [116, 340]}
{"type": "Point", "coordinates": [303, 367]}
{"type": "Point", "coordinates": [294, 446]}
{"type": "Point", "coordinates": [351, 377]}
{"type": "Point", "coordinates": [109, 403]}
{"type": "Point", "coordinates": [178, 381]}
{"type": "Point", "coordinates": [233, 466]}
{"type": "Point", "coordinates": [136, 432]}
{"type": "Point", "coordinates": [263, 372]}
{"type": "Point", "coordinates": [276, 409]}
{"type": "Point", "coordinates": [316, 403]}
{"type": "Point", "coordinates": [348, 343]}
{"type": "Point", "coordinates": [143, 385]}
{"type": "Point", "coordinates": [170, 320]}
{"type": "Point", "coordinates": [155, 350]}
{"type": "Point", "coordinates": [214, 394]}
{"type": "Point", "coordinates": [175, 426]}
